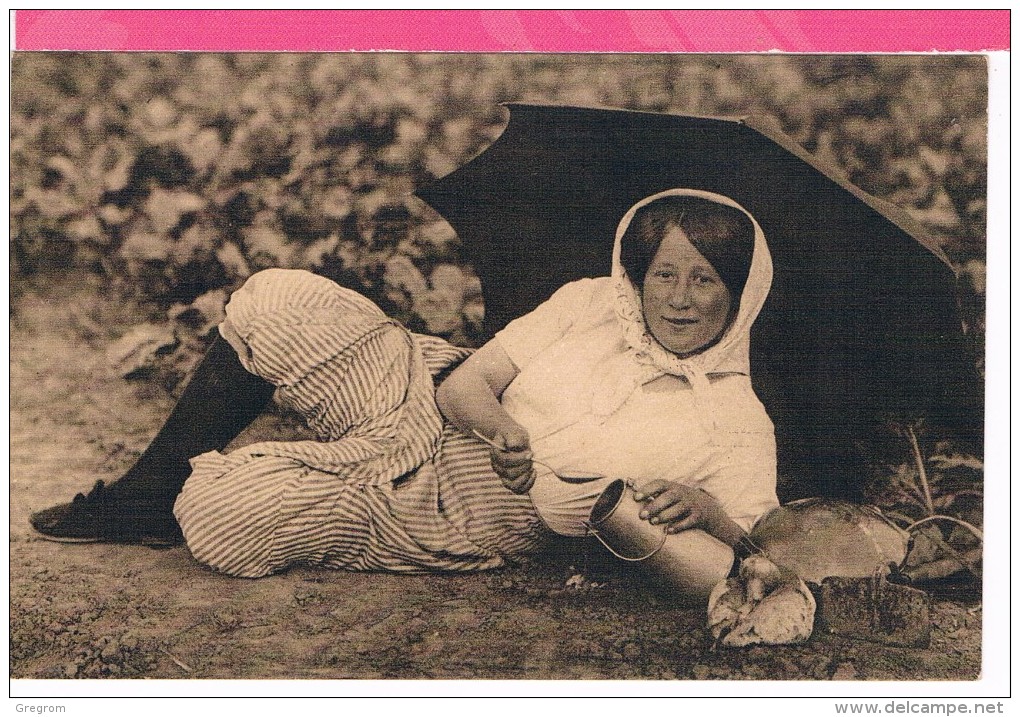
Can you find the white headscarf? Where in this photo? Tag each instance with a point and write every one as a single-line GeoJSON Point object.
{"type": "Point", "coordinates": [731, 354]}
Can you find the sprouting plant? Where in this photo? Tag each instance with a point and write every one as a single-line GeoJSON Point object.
{"type": "Point", "coordinates": [922, 494]}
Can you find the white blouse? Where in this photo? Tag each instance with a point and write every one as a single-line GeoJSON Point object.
{"type": "Point", "coordinates": [590, 406]}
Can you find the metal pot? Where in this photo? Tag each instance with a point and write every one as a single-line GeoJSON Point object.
{"type": "Point", "coordinates": [687, 565]}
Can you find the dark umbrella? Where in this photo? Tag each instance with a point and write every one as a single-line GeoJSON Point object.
{"type": "Point", "coordinates": [861, 325]}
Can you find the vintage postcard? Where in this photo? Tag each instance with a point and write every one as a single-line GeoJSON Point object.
{"type": "Point", "coordinates": [508, 353]}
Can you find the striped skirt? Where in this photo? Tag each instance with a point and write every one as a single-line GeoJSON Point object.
{"type": "Point", "coordinates": [387, 485]}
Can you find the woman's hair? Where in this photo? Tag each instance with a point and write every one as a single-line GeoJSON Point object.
{"type": "Point", "coordinates": [722, 234]}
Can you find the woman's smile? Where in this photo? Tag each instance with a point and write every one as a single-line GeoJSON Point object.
{"type": "Point", "coordinates": [680, 322]}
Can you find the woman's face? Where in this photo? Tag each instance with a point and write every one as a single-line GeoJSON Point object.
{"type": "Point", "coordinates": [684, 301]}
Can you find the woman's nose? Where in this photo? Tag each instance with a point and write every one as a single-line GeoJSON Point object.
{"type": "Point", "coordinates": [679, 298]}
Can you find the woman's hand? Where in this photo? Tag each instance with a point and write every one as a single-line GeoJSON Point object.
{"type": "Point", "coordinates": [513, 465]}
{"type": "Point", "coordinates": [681, 507]}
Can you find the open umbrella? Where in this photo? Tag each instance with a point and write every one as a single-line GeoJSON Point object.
{"type": "Point", "coordinates": [861, 325]}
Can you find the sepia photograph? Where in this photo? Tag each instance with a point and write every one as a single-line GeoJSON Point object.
{"type": "Point", "coordinates": [495, 366]}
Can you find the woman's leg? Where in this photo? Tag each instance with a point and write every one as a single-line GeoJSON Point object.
{"type": "Point", "coordinates": [220, 400]}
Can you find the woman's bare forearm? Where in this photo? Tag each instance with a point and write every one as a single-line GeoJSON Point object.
{"type": "Point", "coordinates": [466, 400]}
{"type": "Point", "coordinates": [723, 528]}
{"type": "Point", "coordinates": [469, 397]}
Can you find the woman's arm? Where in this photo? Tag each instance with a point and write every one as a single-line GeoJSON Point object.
{"type": "Point", "coordinates": [469, 398]}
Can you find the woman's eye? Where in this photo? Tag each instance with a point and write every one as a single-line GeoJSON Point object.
{"type": "Point", "coordinates": [665, 275]}
{"type": "Point", "coordinates": [703, 279]}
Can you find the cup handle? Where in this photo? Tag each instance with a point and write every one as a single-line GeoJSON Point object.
{"type": "Point", "coordinates": [657, 548]}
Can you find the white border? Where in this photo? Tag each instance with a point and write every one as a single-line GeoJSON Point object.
{"type": "Point", "coordinates": [997, 668]}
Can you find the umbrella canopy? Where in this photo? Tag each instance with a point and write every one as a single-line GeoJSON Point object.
{"type": "Point", "coordinates": [861, 325]}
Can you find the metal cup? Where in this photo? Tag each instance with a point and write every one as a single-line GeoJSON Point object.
{"type": "Point", "coordinates": [686, 565]}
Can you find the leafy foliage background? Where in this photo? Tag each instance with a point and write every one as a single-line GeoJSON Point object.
{"type": "Point", "coordinates": [175, 176]}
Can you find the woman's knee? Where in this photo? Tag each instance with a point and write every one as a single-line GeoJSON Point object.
{"type": "Point", "coordinates": [275, 288]}
{"type": "Point", "coordinates": [278, 289]}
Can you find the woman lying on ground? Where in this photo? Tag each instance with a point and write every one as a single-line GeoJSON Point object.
{"type": "Point", "coordinates": [642, 375]}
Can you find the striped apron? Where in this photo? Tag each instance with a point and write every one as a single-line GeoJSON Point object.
{"type": "Point", "coordinates": [387, 485]}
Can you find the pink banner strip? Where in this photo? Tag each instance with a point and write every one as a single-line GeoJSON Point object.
{"type": "Point", "coordinates": [515, 30]}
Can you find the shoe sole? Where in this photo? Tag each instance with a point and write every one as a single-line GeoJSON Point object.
{"type": "Point", "coordinates": [62, 539]}
{"type": "Point", "coordinates": [147, 542]}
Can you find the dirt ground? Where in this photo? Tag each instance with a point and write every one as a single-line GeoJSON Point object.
{"type": "Point", "coordinates": [107, 611]}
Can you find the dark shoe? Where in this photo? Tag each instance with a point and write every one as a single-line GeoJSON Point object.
{"type": "Point", "coordinates": [104, 516]}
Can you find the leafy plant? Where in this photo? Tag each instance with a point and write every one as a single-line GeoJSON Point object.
{"type": "Point", "coordinates": [939, 501]}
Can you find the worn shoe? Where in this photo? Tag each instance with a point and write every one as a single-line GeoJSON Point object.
{"type": "Point", "coordinates": [105, 516]}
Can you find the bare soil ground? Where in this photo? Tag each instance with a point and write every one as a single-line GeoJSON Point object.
{"type": "Point", "coordinates": [108, 611]}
